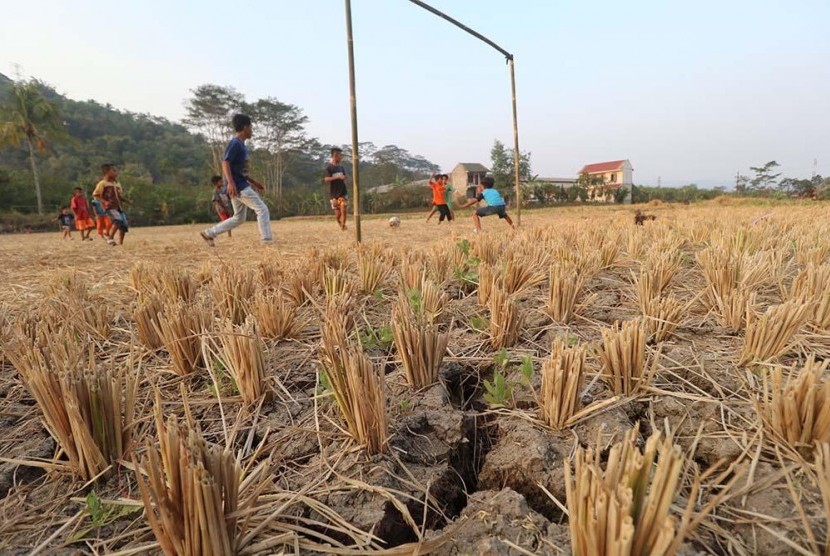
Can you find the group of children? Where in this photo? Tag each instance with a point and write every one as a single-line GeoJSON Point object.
{"type": "Point", "coordinates": [442, 193]}
{"type": "Point", "coordinates": [105, 213]}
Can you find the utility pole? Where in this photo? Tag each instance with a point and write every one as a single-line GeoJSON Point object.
{"type": "Point", "coordinates": [511, 63]}
{"type": "Point", "coordinates": [353, 109]}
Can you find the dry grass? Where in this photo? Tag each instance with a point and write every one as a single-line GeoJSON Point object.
{"type": "Point", "coordinates": [736, 309]}
{"type": "Point", "coordinates": [796, 407]}
{"type": "Point", "coordinates": [89, 409]}
{"type": "Point", "coordinates": [822, 468]}
{"type": "Point", "coordinates": [505, 320]}
{"type": "Point", "coordinates": [180, 328]}
{"type": "Point", "coordinates": [242, 353]}
{"type": "Point", "coordinates": [661, 316]}
{"type": "Point", "coordinates": [771, 335]}
{"type": "Point", "coordinates": [372, 273]}
{"type": "Point", "coordinates": [565, 286]}
{"type": "Point", "coordinates": [336, 283]}
{"type": "Point", "coordinates": [278, 319]}
{"type": "Point", "coordinates": [232, 289]}
{"type": "Point", "coordinates": [625, 509]}
{"type": "Point", "coordinates": [563, 375]}
{"type": "Point", "coordinates": [623, 357]}
{"type": "Point", "coordinates": [146, 317]}
{"type": "Point", "coordinates": [421, 347]}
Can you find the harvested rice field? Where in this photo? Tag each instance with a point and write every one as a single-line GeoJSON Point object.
{"type": "Point", "coordinates": [582, 385]}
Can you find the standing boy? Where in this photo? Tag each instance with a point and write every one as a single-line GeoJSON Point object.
{"type": "Point", "coordinates": [108, 191]}
{"type": "Point", "coordinates": [221, 201]}
{"type": "Point", "coordinates": [495, 204]}
{"type": "Point", "coordinates": [438, 183]}
{"type": "Point", "coordinates": [336, 178]}
{"type": "Point", "coordinates": [241, 186]}
{"type": "Point", "coordinates": [83, 219]}
{"type": "Point", "coordinates": [65, 220]}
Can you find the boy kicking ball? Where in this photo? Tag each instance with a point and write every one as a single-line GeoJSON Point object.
{"type": "Point", "coordinates": [495, 204]}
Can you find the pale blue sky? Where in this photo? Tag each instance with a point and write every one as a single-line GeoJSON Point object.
{"type": "Point", "coordinates": [688, 91]}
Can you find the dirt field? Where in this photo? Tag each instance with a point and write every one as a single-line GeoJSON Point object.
{"type": "Point", "coordinates": [723, 294]}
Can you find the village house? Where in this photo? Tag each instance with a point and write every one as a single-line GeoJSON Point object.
{"type": "Point", "coordinates": [604, 179]}
{"type": "Point", "coordinates": [466, 176]}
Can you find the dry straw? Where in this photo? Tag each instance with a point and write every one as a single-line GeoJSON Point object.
{"type": "Point", "coordinates": [421, 348]}
{"type": "Point", "coordinates": [623, 357]}
{"type": "Point", "coordinates": [625, 509]}
{"type": "Point", "coordinates": [146, 317]}
{"type": "Point", "coordinates": [242, 354]}
{"type": "Point", "coordinates": [771, 335]}
{"type": "Point", "coordinates": [336, 283]}
{"type": "Point", "coordinates": [426, 303]}
{"type": "Point", "coordinates": [278, 319]}
{"type": "Point", "coordinates": [734, 309]}
{"type": "Point", "coordinates": [797, 407]}
{"type": "Point", "coordinates": [505, 319]}
{"type": "Point", "coordinates": [812, 285]}
{"type": "Point", "coordinates": [88, 409]}
{"type": "Point", "coordinates": [372, 273]}
{"type": "Point", "coordinates": [662, 316]}
{"type": "Point", "coordinates": [270, 274]}
{"type": "Point", "coordinates": [520, 273]}
{"type": "Point", "coordinates": [358, 387]}
{"type": "Point", "coordinates": [195, 498]}
{"type": "Point", "coordinates": [562, 380]}
{"type": "Point", "coordinates": [822, 468]}
{"type": "Point", "coordinates": [180, 328]}
{"type": "Point", "coordinates": [565, 286]}
{"type": "Point", "coordinates": [231, 289]}
{"type": "Point", "coordinates": [169, 282]}
{"type": "Point", "coordinates": [487, 277]}
{"type": "Point", "coordinates": [300, 286]}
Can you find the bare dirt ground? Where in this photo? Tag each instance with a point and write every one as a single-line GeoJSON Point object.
{"type": "Point", "coordinates": [461, 476]}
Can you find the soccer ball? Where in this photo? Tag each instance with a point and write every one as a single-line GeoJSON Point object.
{"type": "Point", "coordinates": [394, 222]}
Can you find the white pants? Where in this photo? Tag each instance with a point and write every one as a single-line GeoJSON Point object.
{"type": "Point", "coordinates": [243, 200]}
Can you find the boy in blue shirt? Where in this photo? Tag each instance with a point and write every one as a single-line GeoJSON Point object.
{"type": "Point", "coordinates": [495, 204]}
{"type": "Point", "coordinates": [242, 189]}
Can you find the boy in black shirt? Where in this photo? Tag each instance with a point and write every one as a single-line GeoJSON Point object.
{"type": "Point", "coordinates": [336, 178]}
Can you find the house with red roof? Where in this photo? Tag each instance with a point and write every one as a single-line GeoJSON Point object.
{"type": "Point", "coordinates": [604, 179]}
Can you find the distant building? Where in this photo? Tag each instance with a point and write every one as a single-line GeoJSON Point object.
{"type": "Point", "coordinates": [467, 175]}
{"type": "Point", "coordinates": [605, 179]}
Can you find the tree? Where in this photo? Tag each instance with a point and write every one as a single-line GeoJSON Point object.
{"type": "Point", "coordinates": [280, 131]}
{"type": "Point", "coordinates": [764, 177]}
{"type": "Point", "coordinates": [741, 183]}
{"type": "Point", "coordinates": [502, 163]}
{"type": "Point", "coordinates": [209, 112]}
{"type": "Point", "coordinates": [31, 119]}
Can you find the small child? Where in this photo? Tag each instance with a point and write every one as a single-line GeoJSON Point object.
{"type": "Point", "coordinates": [102, 221]}
{"type": "Point", "coordinates": [66, 221]}
{"type": "Point", "coordinates": [495, 204]}
{"type": "Point", "coordinates": [221, 200]}
{"type": "Point", "coordinates": [440, 204]}
{"type": "Point", "coordinates": [80, 208]}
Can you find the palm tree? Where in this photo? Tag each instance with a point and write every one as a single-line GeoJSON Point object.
{"type": "Point", "coordinates": [31, 119]}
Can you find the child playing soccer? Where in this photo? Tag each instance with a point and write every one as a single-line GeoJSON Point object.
{"type": "Point", "coordinates": [102, 221]}
{"type": "Point", "coordinates": [221, 201]}
{"type": "Point", "coordinates": [438, 183]}
{"type": "Point", "coordinates": [109, 193]}
{"type": "Point", "coordinates": [495, 204]}
{"type": "Point", "coordinates": [66, 222]}
{"type": "Point", "coordinates": [336, 178]}
{"type": "Point", "coordinates": [83, 219]}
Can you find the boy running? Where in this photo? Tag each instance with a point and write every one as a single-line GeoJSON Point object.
{"type": "Point", "coordinates": [108, 191]}
{"type": "Point", "coordinates": [65, 220]}
{"type": "Point", "coordinates": [221, 201]}
{"type": "Point", "coordinates": [336, 178]}
{"type": "Point", "coordinates": [438, 183]}
{"type": "Point", "coordinates": [495, 204]}
{"type": "Point", "coordinates": [102, 221]}
{"type": "Point", "coordinates": [242, 189]}
{"type": "Point", "coordinates": [83, 219]}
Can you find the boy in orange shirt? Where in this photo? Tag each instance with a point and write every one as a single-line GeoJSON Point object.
{"type": "Point", "coordinates": [438, 183]}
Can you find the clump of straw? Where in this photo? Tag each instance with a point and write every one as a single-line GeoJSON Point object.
{"type": "Point", "coordinates": [734, 310]}
{"type": "Point", "coordinates": [358, 387]}
{"type": "Point", "coordinates": [194, 496]}
{"type": "Point", "coordinates": [336, 283]}
{"type": "Point", "coordinates": [180, 328]}
{"type": "Point", "coordinates": [505, 319]}
{"type": "Point", "coordinates": [421, 347]}
{"type": "Point", "coordinates": [519, 274]}
{"type": "Point", "coordinates": [278, 319]}
{"type": "Point", "coordinates": [565, 286]}
{"type": "Point", "coordinates": [300, 286]}
{"type": "Point", "coordinates": [662, 316]}
{"type": "Point", "coordinates": [242, 351]}
{"type": "Point", "coordinates": [486, 279]}
{"type": "Point", "coordinates": [426, 302]}
{"type": "Point", "coordinates": [625, 509]}
{"type": "Point", "coordinates": [623, 357]}
{"type": "Point", "coordinates": [822, 468]}
{"type": "Point", "coordinates": [146, 317]}
{"type": "Point", "coordinates": [770, 336]}
{"type": "Point", "coordinates": [232, 288]}
{"type": "Point", "coordinates": [812, 285]}
{"type": "Point", "coordinates": [797, 407]}
{"type": "Point", "coordinates": [88, 409]}
{"type": "Point", "coordinates": [270, 274]}
{"type": "Point", "coordinates": [372, 273]}
{"type": "Point", "coordinates": [169, 282]}
{"type": "Point", "coordinates": [562, 380]}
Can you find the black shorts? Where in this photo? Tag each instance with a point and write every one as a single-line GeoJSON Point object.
{"type": "Point", "coordinates": [489, 211]}
{"type": "Point", "coordinates": [444, 212]}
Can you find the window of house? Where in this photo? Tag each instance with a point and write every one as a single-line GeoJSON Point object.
{"type": "Point", "coordinates": [613, 178]}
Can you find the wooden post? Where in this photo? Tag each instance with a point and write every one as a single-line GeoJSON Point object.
{"type": "Point", "coordinates": [353, 106]}
{"type": "Point", "coordinates": [516, 154]}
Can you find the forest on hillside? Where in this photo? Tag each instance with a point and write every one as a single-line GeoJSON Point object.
{"type": "Point", "coordinates": [166, 166]}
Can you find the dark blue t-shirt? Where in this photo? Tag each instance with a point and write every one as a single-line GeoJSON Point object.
{"type": "Point", "coordinates": [237, 155]}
